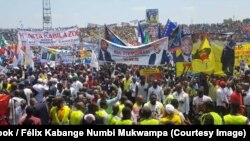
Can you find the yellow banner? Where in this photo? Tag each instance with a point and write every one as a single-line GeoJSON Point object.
{"type": "Point", "coordinates": [150, 74]}
{"type": "Point", "coordinates": [203, 66]}
{"type": "Point", "coordinates": [85, 54]}
{"type": "Point", "coordinates": [242, 52]}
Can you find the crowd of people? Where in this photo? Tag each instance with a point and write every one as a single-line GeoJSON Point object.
{"type": "Point", "coordinates": [119, 95]}
{"type": "Point", "coordinates": [127, 33]}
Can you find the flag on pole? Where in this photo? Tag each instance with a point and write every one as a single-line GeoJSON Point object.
{"type": "Point", "coordinates": [169, 28]}
{"type": "Point", "coordinates": [175, 39]}
{"type": "Point", "coordinates": [204, 60]}
{"type": "Point", "coordinates": [94, 61]}
{"type": "Point", "coordinates": [3, 42]}
{"type": "Point", "coordinates": [141, 36]}
{"type": "Point", "coordinates": [112, 37]}
{"type": "Point", "coordinates": [146, 38]}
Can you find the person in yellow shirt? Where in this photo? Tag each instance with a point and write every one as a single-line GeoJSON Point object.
{"type": "Point", "coordinates": [168, 95]}
{"type": "Point", "coordinates": [146, 118]}
{"type": "Point", "coordinates": [121, 104]}
{"type": "Point", "coordinates": [77, 115]}
{"type": "Point", "coordinates": [138, 105]}
{"type": "Point", "coordinates": [170, 116]}
{"type": "Point", "coordinates": [114, 117]}
{"type": "Point", "coordinates": [101, 113]}
{"type": "Point", "coordinates": [60, 113]}
{"type": "Point", "coordinates": [235, 118]}
{"type": "Point", "coordinates": [212, 89]}
{"type": "Point", "coordinates": [126, 117]}
{"type": "Point", "coordinates": [210, 117]}
{"type": "Point", "coordinates": [43, 75]}
{"type": "Point", "coordinates": [127, 86]}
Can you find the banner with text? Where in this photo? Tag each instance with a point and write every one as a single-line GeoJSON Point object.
{"type": "Point", "coordinates": [149, 54]}
{"type": "Point", "coordinates": [151, 74]}
{"type": "Point", "coordinates": [60, 37]}
{"type": "Point", "coordinates": [242, 53]}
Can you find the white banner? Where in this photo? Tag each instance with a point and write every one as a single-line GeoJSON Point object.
{"type": "Point", "coordinates": [58, 37]}
{"type": "Point", "coordinates": [150, 54]}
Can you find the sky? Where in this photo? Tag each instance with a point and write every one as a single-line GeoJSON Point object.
{"type": "Point", "coordinates": [65, 13]}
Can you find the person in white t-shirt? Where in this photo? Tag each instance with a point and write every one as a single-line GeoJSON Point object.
{"type": "Point", "coordinates": [183, 100]}
{"type": "Point", "coordinates": [198, 101]}
{"type": "Point", "coordinates": [77, 85]}
{"type": "Point", "coordinates": [143, 89]}
{"type": "Point", "coordinates": [221, 99]}
{"type": "Point", "coordinates": [157, 90]}
{"type": "Point", "coordinates": [156, 107]}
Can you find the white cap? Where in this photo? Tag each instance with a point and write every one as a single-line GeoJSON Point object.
{"type": "Point", "coordinates": [89, 118]}
{"type": "Point", "coordinates": [169, 109]}
{"type": "Point", "coordinates": [40, 80]}
{"type": "Point", "coordinates": [54, 80]}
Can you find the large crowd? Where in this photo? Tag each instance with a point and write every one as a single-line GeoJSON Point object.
{"type": "Point", "coordinates": [127, 33]}
{"type": "Point", "coordinates": [117, 94]}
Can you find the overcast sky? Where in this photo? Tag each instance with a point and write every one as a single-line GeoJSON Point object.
{"type": "Point", "coordinates": [80, 12]}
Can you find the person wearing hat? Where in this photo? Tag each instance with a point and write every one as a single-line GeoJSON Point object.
{"type": "Point", "coordinates": [170, 116]}
{"type": "Point", "coordinates": [39, 88]}
{"type": "Point", "coordinates": [221, 99]}
{"type": "Point", "coordinates": [89, 119]}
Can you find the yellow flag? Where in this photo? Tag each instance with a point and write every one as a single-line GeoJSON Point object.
{"type": "Point", "coordinates": [203, 60]}
{"type": "Point", "coordinates": [217, 48]}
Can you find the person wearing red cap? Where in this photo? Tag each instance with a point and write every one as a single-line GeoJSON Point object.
{"type": "Point", "coordinates": [221, 99]}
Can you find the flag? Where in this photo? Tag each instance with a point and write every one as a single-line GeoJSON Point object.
{"type": "Point", "coordinates": [3, 70]}
{"type": "Point", "coordinates": [204, 60]}
{"type": "Point", "coordinates": [3, 42]}
{"type": "Point", "coordinates": [110, 36]}
{"type": "Point", "coordinates": [141, 37]}
{"type": "Point", "coordinates": [169, 28]}
{"type": "Point", "coordinates": [94, 61]}
{"type": "Point", "coordinates": [29, 62]}
{"type": "Point", "coordinates": [175, 39]}
{"type": "Point", "coordinates": [146, 38]}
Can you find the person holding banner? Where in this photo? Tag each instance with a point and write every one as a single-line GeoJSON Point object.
{"type": "Point", "coordinates": [104, 55]}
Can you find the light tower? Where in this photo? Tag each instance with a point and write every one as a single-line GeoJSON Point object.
{"type": "Point", "coordinates": [47, 20]}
